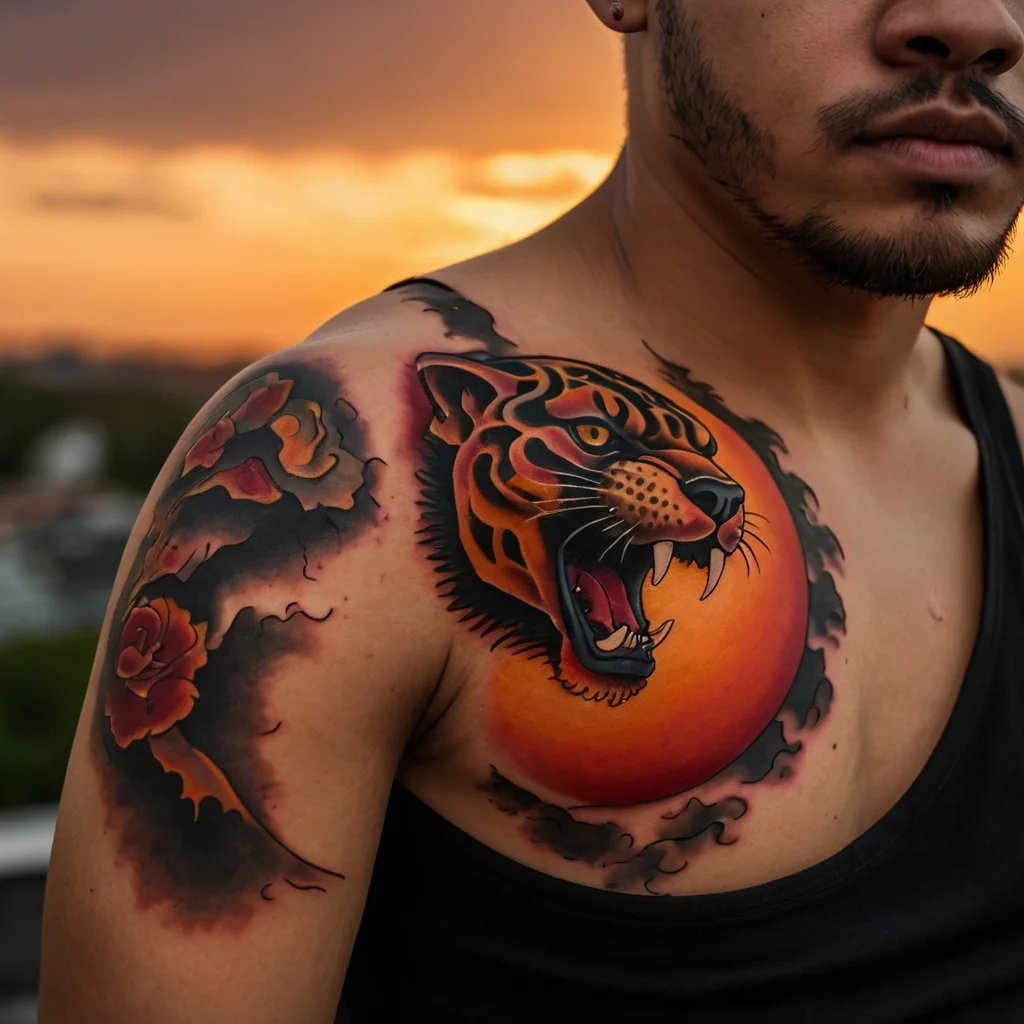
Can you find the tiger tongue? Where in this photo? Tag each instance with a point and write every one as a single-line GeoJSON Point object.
{"type": "Point", "coordinates": [605, 593]}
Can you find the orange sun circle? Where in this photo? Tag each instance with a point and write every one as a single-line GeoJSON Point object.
{"type": "Point", "coordinates": [721, 676]}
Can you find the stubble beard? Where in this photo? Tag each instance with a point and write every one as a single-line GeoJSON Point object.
{"type": "Point", "coordinates": [933, 258]}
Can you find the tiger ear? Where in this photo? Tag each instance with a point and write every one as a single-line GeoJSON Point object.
{"type": "Point", "coordinates": [460, 391]}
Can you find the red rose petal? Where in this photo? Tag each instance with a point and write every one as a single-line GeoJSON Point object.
{"type": "Point", "coordinates": [157, 670]}
{"type": "Point", "coordinates": [261, 405]}
{"type": "Point", "coordinates": [247, 482]}
{"type": "Point", "coordinates": [178, 634]}
{"type": "Point", "coordinates": [132, 662]}
{"type": "Point", "coordinates": [209, 448]}
{"type": "Point", "coordinates": [189, 662]}
{"type": "Point", "coordinates": [133, 718]}
{"type": "Point", "coordinates": [141, 631]}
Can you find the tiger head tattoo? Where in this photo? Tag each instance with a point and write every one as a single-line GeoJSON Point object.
{"type": "Point", "coordinates": [554, 490]}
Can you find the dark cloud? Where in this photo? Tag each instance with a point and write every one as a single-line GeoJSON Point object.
{"type": "Point", "coordinates": [473, 74]}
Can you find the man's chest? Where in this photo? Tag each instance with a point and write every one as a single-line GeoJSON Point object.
{"type": "Point", "coordinates": [676, 654]}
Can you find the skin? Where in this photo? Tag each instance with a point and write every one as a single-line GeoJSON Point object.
{"type": "Point", "coordinates": [396, 687]}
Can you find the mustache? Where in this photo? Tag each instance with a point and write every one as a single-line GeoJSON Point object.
{"type": "Point", "coordinates": [843, 121]}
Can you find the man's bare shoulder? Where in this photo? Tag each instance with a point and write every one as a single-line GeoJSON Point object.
{"type": "Point", "coordinates": [367, 355]}
{"type": "Point", "coordinates": [413, 313]}
{"type": "Point", "coordinates": [389, 316]}
{"type": "Point", "coordinates": [274, 625]}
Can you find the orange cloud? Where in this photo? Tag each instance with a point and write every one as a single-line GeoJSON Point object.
{"type": "Point", "coordinates": [226, 250]}
{"type": "Point", "coordinates": [211, 244]}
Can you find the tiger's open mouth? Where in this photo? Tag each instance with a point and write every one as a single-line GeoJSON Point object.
{"type": "Point", "coordinates": [602, 599]}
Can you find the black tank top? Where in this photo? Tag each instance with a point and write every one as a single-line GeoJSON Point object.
{"type": "Point", "coordinates": [920, 918]}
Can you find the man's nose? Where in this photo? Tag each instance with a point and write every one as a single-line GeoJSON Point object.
{"type": "Point", "coordinates": [950, 35]}
{"type": "Point", "coordinates": [719, 500]}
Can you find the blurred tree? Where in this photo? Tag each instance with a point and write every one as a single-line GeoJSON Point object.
{"type": "Point", "coordinates": [142, 426]}
{"type": "Point", "coordinates": [42, 686]}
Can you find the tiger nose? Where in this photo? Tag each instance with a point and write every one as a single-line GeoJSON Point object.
{"type": "Point", "coordinates": [719, 500]}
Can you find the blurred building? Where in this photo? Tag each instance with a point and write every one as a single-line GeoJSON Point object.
{"type": "Point", "coordinates": [62, 533]}
{"type": "Point", "coordinates": [80, 440]}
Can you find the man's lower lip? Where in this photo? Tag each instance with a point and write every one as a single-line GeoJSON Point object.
{"type": "Point", "coordinates": [945, 161]}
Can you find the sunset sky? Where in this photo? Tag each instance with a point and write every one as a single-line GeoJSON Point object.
{"type": "Point", "coordinates": [215, 178]}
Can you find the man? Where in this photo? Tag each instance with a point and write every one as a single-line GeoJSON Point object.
{"type": "Point", "coordinates": [665, 560]}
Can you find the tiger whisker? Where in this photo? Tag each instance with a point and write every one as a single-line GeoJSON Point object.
{"type": "Point", "coordinates": [587, 526]}
{"type": "Point", "coordinates": [621, 537]}
{"type": "Point", "coordinates": [579, 487]}
{"type": "Point", "coordinates": [613, 543]}
{"type": "Point", "coordinates": [549, 501]}
{"type": "Point", "coordinates": [596, 478]}
{"type": "Point", "coordinates": [626, 548]}
{"type": "Point", "coordinates": [752, 553]}
{"type": "Point", "coordinates": [565, 511]}
{"type": "Point", "coordinates": [595, 491]}
{"type": "Point", "coordinates": [612, 527]}
{"type": "Point", "coordinates": [755, 515]}
{"type": "Point", "coordinates": [754, 536]}
{"type": "Point", "coordinates": [567, 508]}
{"type": "Point", "coordinates": [745, 559]}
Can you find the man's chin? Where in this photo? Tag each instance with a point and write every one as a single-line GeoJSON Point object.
{"type": "Point", "coordinates": [939, 253]}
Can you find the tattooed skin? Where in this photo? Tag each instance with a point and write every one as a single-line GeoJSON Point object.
{"type": "Point", "coordinates": [270, 486]}
{"type": "Point", "coordinates": [572, 486]}
{"type": "Point", "coordinates": [658, 590]}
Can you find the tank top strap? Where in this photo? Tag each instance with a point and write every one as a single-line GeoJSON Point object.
{"type": "Point", "coordinates": [989, 416]}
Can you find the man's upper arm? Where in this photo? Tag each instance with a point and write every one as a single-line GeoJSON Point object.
{"type": "Point", "coordinates": [248, 705]}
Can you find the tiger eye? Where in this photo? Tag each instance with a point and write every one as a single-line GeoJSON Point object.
{"type": "Point", "coordinates": [595, 435]}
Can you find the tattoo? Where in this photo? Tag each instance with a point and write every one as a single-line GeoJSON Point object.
{"type": "Point", "coordinates": [606, 846]}
{"type": "Point", "coordinates": [223, 586]}
{"type": "Point", "coordinates": [657, 587]}
{"type": "Point", "coordinates": [581, 484]}
{"type": "Point", "coordinates": [461, 317]}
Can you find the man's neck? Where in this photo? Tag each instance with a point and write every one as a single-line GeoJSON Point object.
{"type": "Point", "coordinates": [691, 264]}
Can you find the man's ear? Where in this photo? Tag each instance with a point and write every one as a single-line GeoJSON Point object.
{"type": "Point", "coordinates": [624, 16]}
{"type": "Point", "coordinates": [460, 391]}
